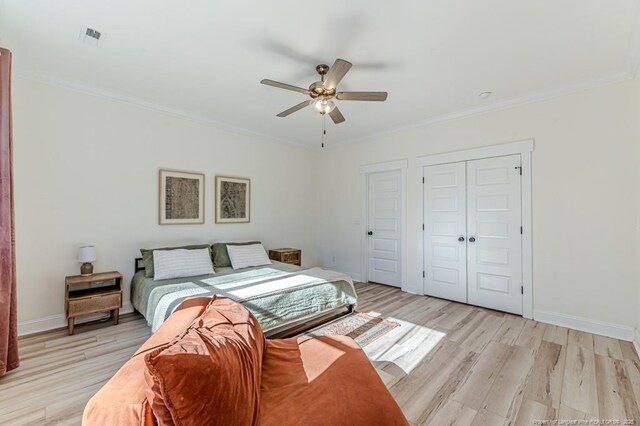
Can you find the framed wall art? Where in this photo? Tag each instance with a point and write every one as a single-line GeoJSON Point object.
{"type": "Point", "coordinates": [181, 197]}
{"type": "Point", "coordinates": [233, 200]}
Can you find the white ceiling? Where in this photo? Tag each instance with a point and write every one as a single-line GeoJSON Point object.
{"type": "Point", "coordinates": [205, 58]}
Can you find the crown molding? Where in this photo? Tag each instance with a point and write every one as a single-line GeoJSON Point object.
{"type": "Point", "coordinates": [628, 73]}
{"type": "Point", "coordinates": [141, 103]}
{"type": "Point", "coordinates": [513, 102]}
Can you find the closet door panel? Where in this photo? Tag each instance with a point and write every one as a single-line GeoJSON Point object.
{"type": "Point", "coordinates": [494, 218]}
{"type": "Point", "coordinates": [444, 209]}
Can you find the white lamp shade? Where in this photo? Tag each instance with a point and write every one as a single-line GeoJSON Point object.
{"type": "Point", "coordinates": [87, 254]}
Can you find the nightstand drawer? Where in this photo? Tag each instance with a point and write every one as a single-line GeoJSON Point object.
{"type": "Point", "coordinates": [293, 257]}
{"type": "Point", "coordinates": [87, 305]}
{"type": "Point", "coordinates": [286, 255]}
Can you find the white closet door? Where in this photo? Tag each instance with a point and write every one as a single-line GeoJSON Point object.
{"type": "Point", "coordinates": [445, 260]}
{"type": "Point", "coordinates": [494, 248]}
{"type": "Point", "coordinates": [385, 225]}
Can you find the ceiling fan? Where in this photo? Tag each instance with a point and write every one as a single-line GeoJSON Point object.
{"type": "Point", "coordinates": [324, 92]}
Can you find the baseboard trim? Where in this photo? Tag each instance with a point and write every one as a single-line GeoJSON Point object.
{"type": "Point", "coordinates": [355, 277]}
{"type": "Point", "coordinates": [412, 290]}
{"type": "Point", "coordinates": [601, 328]}
{"type": "Point", "coordinates": [59, 321]}
{"type": "Point", "coordinates": [636, 341]}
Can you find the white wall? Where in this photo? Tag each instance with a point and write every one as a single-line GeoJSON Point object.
{"type": "Point", "coordinates": [584, 197]}
{"type": "Point", "coordinates": [86, 171]}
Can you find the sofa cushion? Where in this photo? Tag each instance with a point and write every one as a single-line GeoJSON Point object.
{"type": "Point", "coordinates": [323, 381]}
{"type": "Point", "coordinates": [123, 401]}
{"type": "Point", "coordinates": [211, 373]}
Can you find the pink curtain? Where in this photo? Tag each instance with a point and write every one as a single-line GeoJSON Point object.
{"type": "Point", "coordinates": [8, 316]}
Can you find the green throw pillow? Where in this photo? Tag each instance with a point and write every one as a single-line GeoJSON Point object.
{"type": "Point", "coordinates": [221, 255]}
{"type": "Point", "coordinates": [147, 256]}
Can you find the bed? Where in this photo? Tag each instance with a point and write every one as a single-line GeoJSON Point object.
{"type": "Point", "coordinates": [285, 299]}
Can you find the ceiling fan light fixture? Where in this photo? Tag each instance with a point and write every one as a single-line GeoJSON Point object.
{"type": "Point", "coordinates": [324, 92]}
{"type": "Point", "coordinates": [324, 106]}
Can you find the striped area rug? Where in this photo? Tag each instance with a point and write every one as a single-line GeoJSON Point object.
{"type": "Point", "coordinates": [361, 327]}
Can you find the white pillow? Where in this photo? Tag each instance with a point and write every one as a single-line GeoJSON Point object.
{"type": "Point", "coordinates": [181, 263]}
{"type": "Point", "coordinates": [246, 256]}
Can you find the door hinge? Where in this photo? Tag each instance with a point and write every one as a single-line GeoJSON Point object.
{"type": "Point", "coordinates": [521, 290]}
{"type": "Point", "coordinates": [519, 168]}
{"type": "Point", "coordinates": [423, 226]}
{"type": "Point", "coordinates": [422, 179]}
{"type": "Point", "coordinates": [423, 274]}
{"type": "Point", "coordinates": [521, 232]}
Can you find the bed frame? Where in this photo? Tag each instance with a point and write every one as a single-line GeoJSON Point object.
{"type": "Point", "coordinates": [292, 328]}
{"type": "Point", "coordinates": [138, 265]}
{"type": "Point", "coordinates": [296, 327]}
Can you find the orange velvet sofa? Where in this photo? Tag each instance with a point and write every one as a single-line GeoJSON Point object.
{"type": "Point", "coordinates": [209, 363]}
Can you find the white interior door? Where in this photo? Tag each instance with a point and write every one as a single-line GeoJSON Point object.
{"type": "Point", "coordinates": [384, 228]}
{"type": "Point", "coordinates": [445, 260]}
{"type": "Point", "coordinates": [494, 220]}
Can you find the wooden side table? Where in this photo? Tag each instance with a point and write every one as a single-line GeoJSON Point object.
{"type": "Point", "coordinates": [91, 300]}
{"type": "Point", "coordinates": [287, 255]}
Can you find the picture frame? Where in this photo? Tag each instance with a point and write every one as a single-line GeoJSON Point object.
{"type": "Point", "coordinates": [233, 200]}
{"type": "Point", "coordinates": [181, 197]}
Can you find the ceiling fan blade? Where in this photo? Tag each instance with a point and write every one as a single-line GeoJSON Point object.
{"type": "Point", "coordinates": [284, 86]}
{"type": "Point", "coordinates": [362, 96]}
{"type": "Point", "coordinates": [336, 116]}
{"type": "Point", "coordinates": [295, 108]}
{"type": "Point", "coordinates": [336, 73]}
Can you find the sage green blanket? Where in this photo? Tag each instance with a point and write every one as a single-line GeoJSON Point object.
{"type": "Point", "coordinates": [275, 294]}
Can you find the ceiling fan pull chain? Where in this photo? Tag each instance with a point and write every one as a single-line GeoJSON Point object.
{"type": "Point", "coordinates": [324, 131]}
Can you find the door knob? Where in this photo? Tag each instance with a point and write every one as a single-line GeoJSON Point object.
{"type": "Point", "coordinates": [461, 239]}
{"type": "Point", "coordinates": [472, 239]}
{"type": "Point", "coordinates": [370, 233]}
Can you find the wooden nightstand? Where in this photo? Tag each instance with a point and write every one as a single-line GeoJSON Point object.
{"type": "Point", "coordinates": [91, 300]}
{"type": "Point", "coordinates": [287, 255]}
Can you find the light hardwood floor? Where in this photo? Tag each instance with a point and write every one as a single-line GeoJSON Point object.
{"type": "Point", "coordinates": [446, 364]}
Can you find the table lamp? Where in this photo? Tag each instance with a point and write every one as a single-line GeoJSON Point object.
{"type": "Point", "coordinates": [86, 255]}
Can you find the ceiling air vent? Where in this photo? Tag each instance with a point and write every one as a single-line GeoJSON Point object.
{"type": "Point", "coordinates": [93, 33]}
{"type": "Point", "coordinates": [91, 36]}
